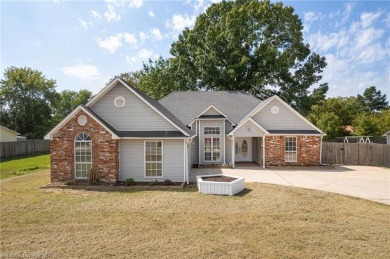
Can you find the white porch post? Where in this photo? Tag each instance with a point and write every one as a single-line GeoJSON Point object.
{"type": "Point", "coordinates": [199, 140]}
{"type": "Point", "coordinates": [263, 151]}
{"type": "Point", "coordinates": [233, 153]}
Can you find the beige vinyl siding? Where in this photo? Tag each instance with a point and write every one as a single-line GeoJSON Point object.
{"type": "Point", "coordinates": [228, 150]}
{"type": "Point", "coordinates": [285, 119]}
{"type": "Point", "coordinates": [212, 111]}
{"type": "Point", "coordinates": [132, 160]}
{"type": "Point", "coordinates": [248, 129]}
{"type": "Point", "coordinates": [7, 136]}
{"type": "Point", "coordinates": [136, 115]}
{"type": "Point", "coordinates": [211, 123]}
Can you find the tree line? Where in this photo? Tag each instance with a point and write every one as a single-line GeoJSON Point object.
{"type": "Point", "coordinates": [30, 104]}
{"type": "Point", "coordinates": [244, 45]}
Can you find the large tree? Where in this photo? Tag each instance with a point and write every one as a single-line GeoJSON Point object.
{"type": "Point", "coordinates": [373, 99]}
{"type": "Point", "coordinates": [67, 101]}
{"type": "Point", "coordinates": [249, 45]}
{"type": "Point", "coordinates": [26, 99]}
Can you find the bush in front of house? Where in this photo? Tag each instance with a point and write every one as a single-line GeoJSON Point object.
{"type": "Point", "coordinates": [130, 182]}
{"type": "Point", "coordinates": [167, 182]}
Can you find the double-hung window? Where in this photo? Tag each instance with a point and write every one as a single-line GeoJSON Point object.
{"type": "Point", "coordinates": [290, 149]}
{"type": "Point", "coordinates": [153, 158]}
{"type": "Point", "coordinates": [212, 144]}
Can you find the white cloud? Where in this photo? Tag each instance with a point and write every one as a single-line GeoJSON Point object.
{"type": "Point", "coordinates": [83, 72]}
{"type": "Point", "coordinates": [142, 36]}
{"type": "Point", "coordinates": [95, 15]}
{"type": "Point", "coordinates": [179, 22]}
{"type": "Point", "coordinates": [131, 39]}
{"type": "Point", "coordinates": [58, 1]}
{"type": "Point", "coordinates": [111, 15]}
{"type": "Point", "coordinates": [136, 3]}
{"type": "Point", "coordinates": [142, 55]}
{"type": "Point", "coordinates": [111, 44]}
{"type": "Point", "coordinates": [310, 16]}
{"type": "Point", "coordinates": [367, 19]}
{"type": "Point", "coordinates": [156, 34]}
{"type": "Point", "coordinates": [387, 20]}
{"type": "Point", "coordinates": [367, 36]}
{"type": "Point", "coordinates": [84, 24]}
{"type": "Point", "coordinates": [151, 14]}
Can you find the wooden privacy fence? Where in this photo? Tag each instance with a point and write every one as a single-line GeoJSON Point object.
{"type": "Point", "coordinates": [356, 154]}
{"type": "Point", "coordinates": [18, 148]}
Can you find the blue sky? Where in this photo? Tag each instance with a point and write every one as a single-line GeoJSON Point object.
{"type": "Point", "coordinates": [81, 44]}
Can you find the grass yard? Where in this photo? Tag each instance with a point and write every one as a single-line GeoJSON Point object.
{"type": "Point", "coordinates": [264, 221]}
{"type": "Point", "coordinates": [23, 165]}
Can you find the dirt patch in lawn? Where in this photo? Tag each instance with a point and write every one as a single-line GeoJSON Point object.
{"type": "Point", "coordinates": [268, 221]}
{"type": "Point", "coordinates": [219, 178]}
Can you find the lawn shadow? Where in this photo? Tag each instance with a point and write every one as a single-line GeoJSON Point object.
{"type": "Point", "coordinates": [244, 192]}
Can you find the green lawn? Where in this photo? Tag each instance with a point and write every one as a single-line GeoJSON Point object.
{"type": "Point", "coordinates": [23, 165]}
{"type": "Point", "coordinates": [265, 221]}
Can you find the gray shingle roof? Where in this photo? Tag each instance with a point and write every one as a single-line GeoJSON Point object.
{"type": "Point", "coordinates": [308, 132]}
{"type": "Point", "coordinates": [186, 106]}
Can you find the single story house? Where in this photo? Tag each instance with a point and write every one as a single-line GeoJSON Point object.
{"type": "Point", "coordinates": [124, 133]}
{"type": "Point", "coordinates": [8, 135]}
{"type": "Point", "coordinates": [387, 135]}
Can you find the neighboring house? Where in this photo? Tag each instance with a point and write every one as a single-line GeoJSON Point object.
{"type": "Point", "coordinates": [7, 135]}
{"type": "Point", "coordinates": [126, 134]}
{"type": "Point", "coordinates": [387, 135]}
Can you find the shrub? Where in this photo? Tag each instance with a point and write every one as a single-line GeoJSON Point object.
{"type": "Point", "coordinates": [130, 182]}
{"type": "Point", "coordinates": [167, 182]}
{"type": "Point", "coordinates": [153, 183]}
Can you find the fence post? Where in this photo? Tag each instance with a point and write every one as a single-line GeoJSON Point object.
{"type": "Point", "coordinates": [343, 154]}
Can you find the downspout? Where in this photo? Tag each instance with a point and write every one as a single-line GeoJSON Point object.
{"type": "Point", "coordinates": [321, 150]}
{"type": "Point", "coordinates": [263, 151]}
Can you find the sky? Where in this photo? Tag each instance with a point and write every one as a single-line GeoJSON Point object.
{"type": "Point", "coordinates": [82, 44]}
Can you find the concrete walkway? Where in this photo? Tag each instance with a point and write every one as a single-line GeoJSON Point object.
{"type": "Point", "coordinates": [367, 182]}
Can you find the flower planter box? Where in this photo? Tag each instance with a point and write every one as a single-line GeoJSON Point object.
{"type": "Point", "coordinates": [219, 187]}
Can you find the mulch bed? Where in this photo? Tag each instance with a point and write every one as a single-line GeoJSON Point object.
{"type": "Point", "coordinates": [220, 178]}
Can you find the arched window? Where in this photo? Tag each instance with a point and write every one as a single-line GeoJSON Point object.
{"type": "Point", "coordinates": [82, 155]}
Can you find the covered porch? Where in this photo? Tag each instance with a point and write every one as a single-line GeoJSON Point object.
{"type": "Point", "coordinates": [247, 144]}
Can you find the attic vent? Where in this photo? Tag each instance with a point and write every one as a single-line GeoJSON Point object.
{"type": "Point", "coordinates": [275, 110]}
{"type": "Point", "coordinates": [82, 120]}
{"type": "Point", "coordinates": [119, 101]}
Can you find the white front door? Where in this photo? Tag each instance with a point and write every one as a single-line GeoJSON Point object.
{"type": "Point", "coordinates": [243, 149]}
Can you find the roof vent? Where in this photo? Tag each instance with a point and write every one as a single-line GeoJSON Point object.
{"type": "Point", "coordinates": [275, 109]}
{"type": "Point", "coordinates": [119, 102]}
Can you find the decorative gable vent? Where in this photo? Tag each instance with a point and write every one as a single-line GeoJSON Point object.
{"type": "Point", "coordinates": [275, 109]}
{"type": "Point", "coordinates": [119, 101]}
{"type": "Point", "coordinates": [82, 120]}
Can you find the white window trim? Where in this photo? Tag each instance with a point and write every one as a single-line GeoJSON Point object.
{"type": "Point", "coordinates": [204, 127]}
{"type": "Point", "coordinates": [74, 155]}
{"type": "Point", "coordinates": [296, 149]}
{"type": "Point", "coordinates": [212, 147]}
{"type": "Point", "coordinates": [162, 159]}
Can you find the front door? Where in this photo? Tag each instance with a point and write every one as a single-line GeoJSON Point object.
{"type": "Point", "coordinates": [243, 149]}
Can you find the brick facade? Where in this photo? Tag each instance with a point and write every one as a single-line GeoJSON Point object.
{"type": "Point", "coordinates": [105, 151]}
{"type": "Point", "coordinates": [308, 151]}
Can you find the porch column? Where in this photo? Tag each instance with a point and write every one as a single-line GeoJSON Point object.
{"type": "Point", "coordinates": [233, 153]}
{"type": "Point", "coordinates": [263, 151]}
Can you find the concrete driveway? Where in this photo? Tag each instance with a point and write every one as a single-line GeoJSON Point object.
{"type": "Point", "coordinates": [367, 182]}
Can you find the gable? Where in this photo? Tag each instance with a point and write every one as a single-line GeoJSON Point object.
{"type": "Point", "coordinates": [211, 111]}
{"type": "Point", "coordinates": [249, 128]}
{"type": "Point", "coordinates": [135, 115]}
{"type": "Point", "coordinates": [285, 119]}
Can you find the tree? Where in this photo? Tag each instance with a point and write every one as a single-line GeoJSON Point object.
{"type": "Point", "coordinates": [366, 124]}
{"type": "Point", "coordinates": [26, 98]}
{"type": "Point", "coordinates": [331, 124]}
{"type": "Point", "coordinates": [249, 45]}
{"type": "Point", "coordinates": [67, 101]}
{"type": "Point", "coordinates": [373, 99]}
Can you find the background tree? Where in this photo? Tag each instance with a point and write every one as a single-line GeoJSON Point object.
{"type": "Point", "coordinates": [366, 125]}
{"type": "Point", "coordinates": [67, 101]}
{"type": "Point", "coordinates": [331, 124]}
{"type": "Point", "coordinates": [249, 45]}
{"type": "Point", "coordinates": [26, 98]}
{"type": "Point", "coordinates": [373, 100]}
